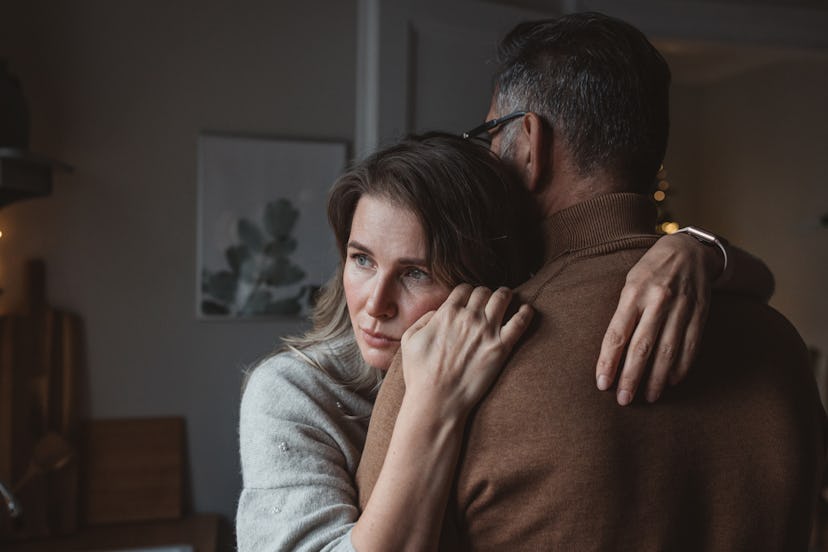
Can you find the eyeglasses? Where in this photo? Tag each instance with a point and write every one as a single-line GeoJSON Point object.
{"type": "Point", "coordinates": [484, 132]}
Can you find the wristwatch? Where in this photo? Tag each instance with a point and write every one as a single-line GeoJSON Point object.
{"type": "Point", "coordinates": [707, 238]}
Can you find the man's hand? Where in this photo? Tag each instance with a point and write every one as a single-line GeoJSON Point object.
{"type": "Point", "coordinates": [660, 317]}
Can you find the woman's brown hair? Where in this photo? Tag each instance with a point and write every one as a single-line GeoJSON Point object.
{"type": "Point", "coordinates": [479, 222]}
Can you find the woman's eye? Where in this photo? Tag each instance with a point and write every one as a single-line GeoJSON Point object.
{"type": "Point", "coordinates": [360, 259]}
{"type": "Point", "coordinates": [416, 274]}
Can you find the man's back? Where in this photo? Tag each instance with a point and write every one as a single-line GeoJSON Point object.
{"type": "Point", "coordinates": [725, 461]}
{"type": "Point", "coordinates": [728, 460]}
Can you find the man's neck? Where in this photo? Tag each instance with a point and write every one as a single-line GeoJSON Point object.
{"type": "Point", "coordinates": [597, 222]}
{"type": "Point", "coordinates": [567, 190]}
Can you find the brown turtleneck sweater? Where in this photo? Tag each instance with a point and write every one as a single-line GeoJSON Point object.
{"type": "Point", "coordinates": [729, 460]}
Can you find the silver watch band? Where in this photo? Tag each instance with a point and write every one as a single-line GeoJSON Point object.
{"type": "Point", "coordinates": [707, 238]}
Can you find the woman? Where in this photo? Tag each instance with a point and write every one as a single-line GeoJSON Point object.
{"type": "Point", "coordinates": [425, 230]}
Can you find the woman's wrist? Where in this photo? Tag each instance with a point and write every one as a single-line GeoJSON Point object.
{"type": "Point", "coordinates": [715, 252]}
{"type": "Point", "coordinates": [427, 411]}
{"type": "Point", "coordinates": [406, 508]}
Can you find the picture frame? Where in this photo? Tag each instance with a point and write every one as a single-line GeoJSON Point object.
{"type": "Point", "coordinates": [264, 244]}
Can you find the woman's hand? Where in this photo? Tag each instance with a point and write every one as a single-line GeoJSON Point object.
{"type": "Point", "coordinates": [660, 317]}
{"type": "Point", "coordinates": [451, 356]}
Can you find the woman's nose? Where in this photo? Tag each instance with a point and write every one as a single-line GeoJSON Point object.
{"type": "Point", "coordinates": [382, 301]}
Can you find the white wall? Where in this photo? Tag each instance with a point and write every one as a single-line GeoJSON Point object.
{"type": "Point", "coordinates": [120, 90]}
{"type": "Point", "coordinates": [753, 153]}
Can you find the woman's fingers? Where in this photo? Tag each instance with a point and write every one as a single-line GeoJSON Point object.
{"type": "Point", "coordinates": [498, 304]}
{"type": "Point", "coordinates": [459, 296]}
{"type": "Point", "coordinates": [417, 326]}
{"type": "Point", "coordinates": [669, 348]}
{"type": "Point", "coordinates": [495, 305]}
{"type": "Point", "coordinates": [655, 333]}
{"type": "Point", "coordinates": [463, 307]}
{"type": "Point", "coordinates": [615, 340]}
{"type": "Point", "coordinates": [492, 305]}
{"type": "Point", "coordinates": [478, 298]}
{"type": "Point", "coordinates": [692, 337]}
{"type": "Point", "coordinates": [658, 323]}
{"type": "Point", "coordinates": [516, 326]}
{"type": "Point", "coordinates": [638, 354]}
{"type": "Point", "coordinates": [456, 352]}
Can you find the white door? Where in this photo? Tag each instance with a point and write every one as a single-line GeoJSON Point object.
{"type": "Point", "coordinates": [427, 65]}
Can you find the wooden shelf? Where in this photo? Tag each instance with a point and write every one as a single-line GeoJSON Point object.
{"type": "Point", "coordinates": [25, 175]}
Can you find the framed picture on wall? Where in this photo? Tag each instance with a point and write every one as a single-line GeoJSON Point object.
{"type": "Point", "coordinates": [264, 246]}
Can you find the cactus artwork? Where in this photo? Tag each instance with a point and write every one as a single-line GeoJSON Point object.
{"type": "Point", "coordinates": [259, 268]}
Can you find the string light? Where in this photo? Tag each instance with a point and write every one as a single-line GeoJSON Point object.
{"type": "Point", "coordinates": [669, 227]}
{"type": "Point", "coordinates": [665, 224]}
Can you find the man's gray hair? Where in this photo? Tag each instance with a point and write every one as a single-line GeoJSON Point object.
{"type": "Point", "coordinates": [599, 82]}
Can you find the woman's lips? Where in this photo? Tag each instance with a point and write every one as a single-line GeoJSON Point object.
{"type": "Point", "coordinates": [378, 340]}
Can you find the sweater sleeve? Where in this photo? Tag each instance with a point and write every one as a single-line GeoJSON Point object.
{"type": "Point", "coordinates": [298, 492]}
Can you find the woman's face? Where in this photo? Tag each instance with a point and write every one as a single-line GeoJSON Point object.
{"type": "Point", "coordinates": [388, 283]}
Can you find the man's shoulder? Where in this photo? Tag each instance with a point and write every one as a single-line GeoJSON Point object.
{"type": "Point", "coordinates": [599, 268]}
{"type": "Point", "coordinates": [745, 321]}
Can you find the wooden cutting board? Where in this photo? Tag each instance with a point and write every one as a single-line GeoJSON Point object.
{"type": "Point", "coordinates": [132, 470]}
{"type": "Point", "coordinates": [39, 360]}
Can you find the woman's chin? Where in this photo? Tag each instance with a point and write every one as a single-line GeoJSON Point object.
{"type": "Point", "coordinates": [379, 359]}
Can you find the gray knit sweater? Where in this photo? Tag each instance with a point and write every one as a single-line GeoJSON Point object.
{"type": "Point", "coordinates": [301, 434]}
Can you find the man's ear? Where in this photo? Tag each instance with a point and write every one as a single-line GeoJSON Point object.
{"type": "Point", "coordinates": [537, 158]}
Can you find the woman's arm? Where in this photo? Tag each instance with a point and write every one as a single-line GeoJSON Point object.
{"type": "Point", "coordinates": [663, 309]}
{"type": "Point", "coordinates": [450, 359]}
{"type": "Point", "coordinates": [298, 455]}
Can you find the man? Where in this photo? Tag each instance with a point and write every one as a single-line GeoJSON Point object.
{"type": "Point", "coordinates": [728, 460]}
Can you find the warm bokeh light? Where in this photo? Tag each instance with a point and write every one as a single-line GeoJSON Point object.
{"type": "Point", "coordinates": [663, 185]}
{"type": "Point", "coordinates": [659, 195]}
{"type": "Point", "coordinates": [669, 227]}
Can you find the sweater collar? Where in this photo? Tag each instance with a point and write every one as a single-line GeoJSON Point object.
{"type": "Point", "coordinates": [597, 221]}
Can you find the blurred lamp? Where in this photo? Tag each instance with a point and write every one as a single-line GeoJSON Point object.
{"type": "Point", "coordinates": [23, 174]}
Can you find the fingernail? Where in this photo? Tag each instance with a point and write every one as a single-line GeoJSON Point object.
{"type": "Point", "coordinates": [652, 396]}
{"type": "Point", "coordinates": [624, 397]}
{"type": "Point", "coordinates": [603, 382]}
